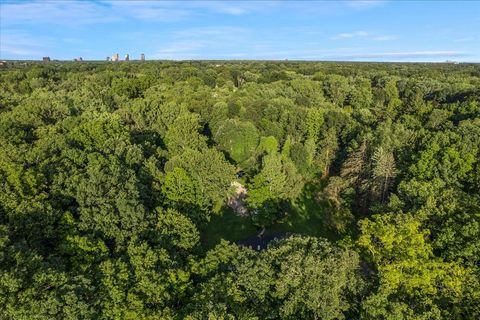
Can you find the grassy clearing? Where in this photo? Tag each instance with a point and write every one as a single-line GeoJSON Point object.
{"type": "Point", "coordinates": [228, 226]}
{"type": "Point", "coordinates": [305, 217]}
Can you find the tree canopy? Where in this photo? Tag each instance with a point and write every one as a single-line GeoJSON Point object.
{"type": "Point", "coordinates": [239, 190]}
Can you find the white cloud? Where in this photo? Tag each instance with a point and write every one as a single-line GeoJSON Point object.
{"type": "Point", "coordinates": [55, 12]}
{"type": "Point", "coordinates": [191, 43]}
{"type": "Point", "coordinates": [217, 31]}
{"type": "Point", "coordinates": [179, 50]}
{"type": "Point", "coordinates": [359, 54]}
{"type": "Point", "coordinates": [421, 53]}
{"type": "Point", "coordinates": [76, 13]}
{"type": "Point", "coordinates": [236, 11]}
{"type": "Point", "coordinates": [365, 4]}
{"type": "Point", "coordinates": [405, 55]}
{"type": "Point", "coordinates": [163, 11]}
{"type": "Point", "coordinates": [234, 8]}
{"type": "Point", "coordinates": [356, 34]}
{"type": "Point", "coordinates": [22, 44]}
{"type": "Point", "coordinates": [385, 38]}
{"type": "Point", "coordinates": [364, 35]}
{"type": "Point", "coordinates": [467, 39]}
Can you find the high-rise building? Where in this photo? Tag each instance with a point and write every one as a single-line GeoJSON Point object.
{"type": "Point", "coordinates": [108, 58]}
{"type": "Point", "coordinates": [46, 59]}
{"type": "Point", "coordinates": [115, 57]}
{"type": "Point", "coordinates": [142, 57]}
{"type": "Point", "coordinates": [127, 57]}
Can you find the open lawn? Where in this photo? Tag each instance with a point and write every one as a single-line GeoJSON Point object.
{"type": "Point", "coordinates": [228, 226]}
{"type": "Point", "coordinates": [305, 217]}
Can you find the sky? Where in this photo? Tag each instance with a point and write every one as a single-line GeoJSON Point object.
{"type": "Point", "coordinates": [358, 30]}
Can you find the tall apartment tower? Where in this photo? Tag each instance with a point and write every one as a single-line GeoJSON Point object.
{"type": "Point", "coordinates": [127, 57]}
{"type": "Point", "coordinates": [142, 57]}
{"type": "Point", "coordinates": [115, 57]}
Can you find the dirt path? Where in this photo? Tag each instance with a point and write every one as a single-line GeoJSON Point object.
{"type": "Point", "coordinates": [237, 201]}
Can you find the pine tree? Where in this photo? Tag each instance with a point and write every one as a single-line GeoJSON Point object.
{"type": "Point", "coordinates": [384, 171]}
{"type": "Point", "coordinates": [354, 167]}
{"type": "Point", "coordinates": [355, 173]}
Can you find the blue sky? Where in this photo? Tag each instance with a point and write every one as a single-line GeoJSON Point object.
{"type": "Point", "coordinates": [306, 30]}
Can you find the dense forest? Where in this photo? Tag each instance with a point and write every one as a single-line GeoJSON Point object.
{"type": "Point", "coordinates": [239, 190]}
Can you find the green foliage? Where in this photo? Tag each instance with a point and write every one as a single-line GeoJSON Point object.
{"type": "Point", "coordinates": [314, 279]}
{"type": "Point", "coordinates": [117, 188]}
{"type": "Point", "coordinates": [268, 145]}
{"type": "Point", "coordinates": [337, 215]}
{"type": "Point", "coordinates": [108, 198]}
{"type": "Point", "coordinates": [383, 172]}
{"type": "Point", "coordinates": [336, 88]}
{"type": "Point", "coordinates": [298, 277]}
{"type": "Point", "coordinates": [361, 95]}
{"type": "Point", "coordinates": [201, 179]}
{"type": "Point", "coordinates": [238, 139]}
{"type": "Point", "coordinates": [184, 133]}
{"type": "Point", "coordinates": [178, 186]}
{"type": "Point", "coordinates": [412, 282]}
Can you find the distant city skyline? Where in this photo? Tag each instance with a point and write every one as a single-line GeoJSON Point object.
{"type": "Point", "coordinates": [271, 30]}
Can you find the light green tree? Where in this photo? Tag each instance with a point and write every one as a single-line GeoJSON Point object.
{"type": "Point", "coordinates": [413, 283]}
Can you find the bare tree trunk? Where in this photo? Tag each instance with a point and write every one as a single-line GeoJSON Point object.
{"type": "Point", "coordinates": [261, 232]}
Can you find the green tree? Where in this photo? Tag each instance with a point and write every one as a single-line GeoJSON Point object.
{"type": "Point", "coordinates": [314, 279]}
{"type": "Point", "coordinates": [327, 149]}
{"type": "Point", "coordinates": [336, 88]}
{"type": "Point", "coordinates": [184, 133]}
{"type": "Point", "coordinates": [384, 171]}
{"type": "Point", "coordinates": [201, 179]}
{"type": "Point", "coordinates": [413, 283]}
{"type": "Point", "coordinates": [238, 139]}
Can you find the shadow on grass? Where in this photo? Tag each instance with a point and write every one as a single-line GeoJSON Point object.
{"type": "Point", "coordinates": [228, 226]}
{"type": "Point", "coordinates": [305, 216]}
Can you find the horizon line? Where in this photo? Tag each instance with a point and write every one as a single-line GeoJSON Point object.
{"type": "Point", "coordinates": [251, 60]}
